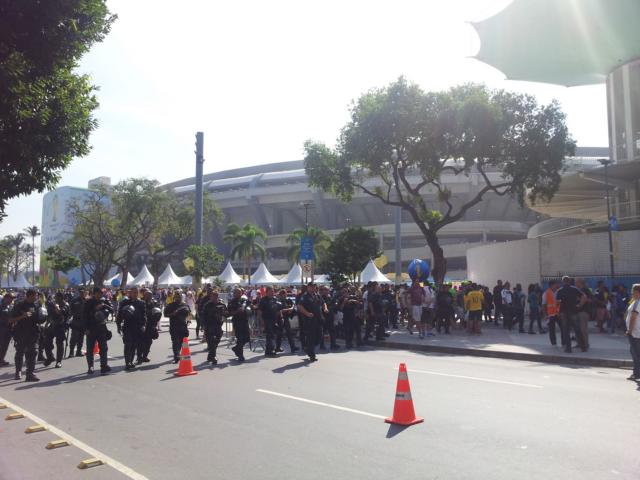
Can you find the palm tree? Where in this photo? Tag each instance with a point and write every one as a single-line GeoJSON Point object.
{"type": "Point", "coordinates": [246, 243]}
{"type": "Point", "coordinates": [33, 232]}
{"type": "Point", "coordinates": [321, 242]}
{"type": "Point", "coordinates": [15, 241]}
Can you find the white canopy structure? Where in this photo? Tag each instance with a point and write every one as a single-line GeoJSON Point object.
{"type": "Point", "coordinates": [294, 277]}
{"type": "Point", "coordinates": [130, 279]}
{"type": "Point", "coordinates": [143, 278]}
{"type": "Point", "coordinates": [321, 279]}
{"type": "Point", "coordinates": [372, 274]}
{"type": "Point", "coordinates": [19, 282]}
{"type": "Point", "coordinates": [169, 277]}
{"type": "Point", "coordinates": [229, 276]}
{"type": "Point", "coordinates": [186, 280]}
{"type": "Point", "coordinates": [262, 276]}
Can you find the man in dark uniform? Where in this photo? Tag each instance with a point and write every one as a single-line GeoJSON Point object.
{"type": "Point", "coordinates": [348, 303]}
{"type": "Point", "coordinates": [154, 314]}
{"type": "Point", "coordinates": [376, 313]}
{"type": "Point", "coordinates": [6, 331]}
{"type": "Point", "coordinates": [239, 308]}
{"type": "Point", "coordinates": [131, 322]}
{"type": "Point", "coordinates": [328, 319]}
{"type": "Point", "coordinates": [26, 332]}
{"type": "Point", "coordinates": [213, 315]}
{"type": "Point", "coordinates": [311, 306]}
{"type": "Point", "coordinates": [77, 323]}
{"type": "Point", "coordinates": [283, 322]}
{"type": "Point", "coordinates": [178, 313]}
{"type": "Point", "coordinates": [268, 309]}
{"type": "Point", "coordinates": [56, 329]}
{"type": "Point", "coordinates": [96, 311]}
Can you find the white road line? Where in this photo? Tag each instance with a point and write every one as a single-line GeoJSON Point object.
{"type": "Point", "coordinates": [81, 445]}
{"type": "Point", "coordinates": [479, 379]}
{"type": "Point", "coordinates": [321, 404]}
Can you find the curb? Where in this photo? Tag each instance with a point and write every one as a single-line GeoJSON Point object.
{"type": "Point", "coordinates": [529, 357]}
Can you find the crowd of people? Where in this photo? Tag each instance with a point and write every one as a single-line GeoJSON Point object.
{"type": "Point", "coordinates": [44, 324]}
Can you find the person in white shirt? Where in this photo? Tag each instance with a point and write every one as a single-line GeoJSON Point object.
{"type": "Point", "coordinates": [428, 307]}
{"type": "Point", "coordinates": [633, 331]}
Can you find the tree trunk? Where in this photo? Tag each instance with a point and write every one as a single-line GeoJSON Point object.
{"type": "Point", "coordinates": [439, 267]}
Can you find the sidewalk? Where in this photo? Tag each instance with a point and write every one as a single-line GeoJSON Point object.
{"type": "Point", "coordinates": [605, 350]}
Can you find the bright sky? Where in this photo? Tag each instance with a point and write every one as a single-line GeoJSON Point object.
{"type": "Point", "coordinates": [259, 78]}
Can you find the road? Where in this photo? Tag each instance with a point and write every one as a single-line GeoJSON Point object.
{"type": "Point", "coordinates": [285, 418]}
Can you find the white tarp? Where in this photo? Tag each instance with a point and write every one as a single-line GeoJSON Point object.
{"type": "Point", "coordinates": [186, 280]}
{"type": "Point", "coordinates": [372, 274]}
{"type": "Point", "coordinates": [169, 277]}
{"type": "Point", "coordinates": [229, 276]}
{"type": "Point", "coordinates": [19, 282]}
{"type": "Point", "coordinates": [294, 277]}
{"type": "Point", "coordinates": [143, 278]}
{"type": "Point", "coordinates": [130, 279]}
{"type": "Point", "coordinates": [262, 276]}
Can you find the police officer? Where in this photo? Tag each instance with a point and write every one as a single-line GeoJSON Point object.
{"type": "Point", "coordinates": [154, 314]}
{"type": "Point", "coordinates": [96, 312]}
{"type": "Point", "coordinates": [269, 312]}
{"type": "Point", "coordinates": [77, 323]}
{"type": "Point", "coordinates": [349, 304]}
{"type": "Point", "coordinates": [328, 319]}
{"type": "Point", "coordinates": [6, 330]}
{"type": "Point", "coordinates": [178, 313]}
{"type": "Point", "coordinates": [239, 308]}
{"type": "Point", "coordinates": [56, 329]}
{"type": "Point", "coordinates": [213, 315]}
{"type": "Point", "coordinates": [283, 323]}
{"type": "Point", "coordinates": [311, 306]}
{"type": "Point", "coordinates": [26, 331]}
{"type": "Point", "coordinates": [131, 321]}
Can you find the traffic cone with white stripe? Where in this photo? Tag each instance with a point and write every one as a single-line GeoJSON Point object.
{"type": "Point", "coordinates": [185, 367]}
{"type": "Point", "coordinates": [96, 349]}
{"type": "Point", "coordinates": [403, 412]}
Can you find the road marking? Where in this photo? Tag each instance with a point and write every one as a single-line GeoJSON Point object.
{"type": "Point", "coordinates": [479, 379]}
{"type": "Point", "coordinates": [321, 404]}
{"type": "Point", "coordinates": [81, 445]}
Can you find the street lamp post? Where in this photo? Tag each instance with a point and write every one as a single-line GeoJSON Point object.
{"type": "Point", "coordinates": [606, 162]}
{"type": "Point", "coordinates": [306, 206]}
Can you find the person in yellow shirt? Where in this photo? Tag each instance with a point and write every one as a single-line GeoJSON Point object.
{"type": "Point", "coordinates": [473, 303]}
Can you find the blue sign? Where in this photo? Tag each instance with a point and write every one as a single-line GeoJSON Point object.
{"type": "Point", "coordinates": [613, 223]}
{"type": "Point", "coordinates": [306, 248]}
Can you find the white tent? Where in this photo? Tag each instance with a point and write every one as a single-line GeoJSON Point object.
{"type": "Point", "coordinates": [186, 280]}
{"type": "Point", "coordinates": [143, 278]}
{"type": "Point", "coordinates": [262, 276]}
{"type": "Point", "coordinates": [211, 280]}
{"type": "Point", "coordinates": [130, 279]}
{"type": "Point", "coordinates": [169, 277]}
{"type": "Point", "coordinates": [229, 276]}
{"type": "Point", "coordinates": [372, 274]}
{"type": "Point", "coordinates": [321, 279]}
{"type": "Point", "coordinates": [294, 277]}
{"type": "Point", "coordinates": [19, 282]}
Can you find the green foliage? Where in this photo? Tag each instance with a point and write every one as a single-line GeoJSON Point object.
{"type": "Point", "coordinates": [321, 242]}
{"type": "Point", "coordinates": [6, 256]}
{"type": "Point", "coordinates": [45, 107]}
{"type": "Point", "coordinates": [401, 140]}
{"type": "Point", "coordinates": [247, 243]}
{"type": "Point", "coordinates": [60, 260]}
{"type": "Point", "coordinates": [206, 260]}
{"type": "Point", "coordinates": [349, 253]}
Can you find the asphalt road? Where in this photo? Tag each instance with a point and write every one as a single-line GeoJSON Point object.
{"type": "Point", "coordinates": [283, 418]}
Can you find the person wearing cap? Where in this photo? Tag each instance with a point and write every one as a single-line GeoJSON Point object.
{"type": "Point", "coordinates": [6, 332]}
{"type": "Point", "coordinates": [213, 315]}
{"type": "Point", "coordinates": [77, 323]}
{"type": "Point", "coordinates": [283, 322]}
{"type": "Point", "coordinates": [56, 329]}
{"type": "Point", "coordinates": [178, 313]}
{"type": "Point", "coordinates": [239, 308]}
{"type": "Point", "coordinates": [26, 331]}
{"type": "Point", "coordinates": [96, 310]}
{"type": "Point", "coordinates": [131, 321]}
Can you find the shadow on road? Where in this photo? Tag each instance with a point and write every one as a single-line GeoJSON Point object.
{"type": "Point", "coordinates": [291, 366]}
{"type": "Point", "coordinates": [395, 430]}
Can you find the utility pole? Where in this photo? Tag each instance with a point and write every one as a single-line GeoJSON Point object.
{"type": "Point", "coordinates": [606, 162]}
{"type": "Point", "coordinates": [199, 194]}
{"type": "Point", "coordinates": [306, 206]}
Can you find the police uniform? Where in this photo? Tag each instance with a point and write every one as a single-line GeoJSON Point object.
{"type": "Point", "coordinates": [178, 313]}
{"type": "Point", "coordinates": [213, 313]}
{"type": "Point", "coordinates": [312, 304]}
{"type": "Point", "coordinates": [283, 324]}
{"type": "Point", "coordinates": [131, 322]}
{"type": "Point", "coordinates": [76, 337]}
{"type": "Point", "coordinates": [55, 329]}
{"type": "Point", "coordinates": [269, 310]}
{"type": "Point", "coordinates": [154, 314]}
{"type": "Point", "coordinates": [349, 305]}
{"type": "Point", "coordinates": [26, 333]}
{"type": "Point", "coordinates": [328, 323]}
{"type": "Point", "coordinates": [95, 317]}
{"type": "Point", "coordinates": [239, 309]}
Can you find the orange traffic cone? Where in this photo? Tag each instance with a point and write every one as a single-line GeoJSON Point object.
{"type": "Point", "coordinates": [403, 412]}
{"type": "Point", "coordinates": [185, 367]}
{"type": "Point", "coordinates": [96, 349]}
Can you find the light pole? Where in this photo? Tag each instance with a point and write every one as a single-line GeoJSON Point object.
{"type": "Point", "coordinates": [306, 206]}
{"type": "Point", "coordinates": [606, 162]}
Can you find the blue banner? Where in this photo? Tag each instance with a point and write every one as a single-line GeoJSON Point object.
{"type": "Point", "coordinates": [306, 248]}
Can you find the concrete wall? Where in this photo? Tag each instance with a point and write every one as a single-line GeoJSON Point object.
{"type": "Point", "coordinates": [517, 262]}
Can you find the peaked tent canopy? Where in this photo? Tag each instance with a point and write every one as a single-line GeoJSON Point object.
{"type": "Point", "coordinates": [130, 279]}
{"type": "Point", "coordinates": [143, 278]}
{"type": "Point", "coordinates": [169, 277]}
{"type": "Point", "coordinates": [372, 274]}
{"type": "Point", "coordinates": [564, 42]}
{"type": "Point", "coordinates": [229, 276]}
{"type": "Point", "coordinates": [294, 277]}
{"type": "Point", "coordinates": [186, 280]}
{"type": "Point", "coordinates": [262, 276]}
{"type": "Point", "coordinates": [19, 282]}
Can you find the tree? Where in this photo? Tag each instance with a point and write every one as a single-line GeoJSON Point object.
{"type": "Point", "coordinates": [60, 260]}
{"type": "Point", "coordinates": [321, 242]}
{"type": "Point", "coordinates": [401, 140]}
{"type": "Point", "coordinates": [45, 107]}
{"type": "Point", "coordinates": [246, 243]}
{"type": "Point", "coordinates": [6, 256]}
{"type": "Point", "coordinates": [349, 253]}
{"type": "Point", "coordinates": [205, 261]}
{"type": "Point", "coordinates": [33, 232]}
{"type": "Point", "coordinates": [16, 242]}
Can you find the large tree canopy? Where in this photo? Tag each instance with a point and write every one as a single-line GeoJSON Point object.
{"type": "Point", "coordinates": [401, 140]}
{"type": "Point", "coordinates": [45, 108]}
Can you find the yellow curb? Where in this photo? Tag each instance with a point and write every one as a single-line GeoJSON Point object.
{"type": "Point", "coordinates": [2, 405]}
{"type": "Point", "coordinates": [14, 416]}
{"type": "Point", "coordinates": [89, 462]}
{"type": "Point", "coordinates": [57, 444]}
{"type": "Point", "coordinates": [35, 428]}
